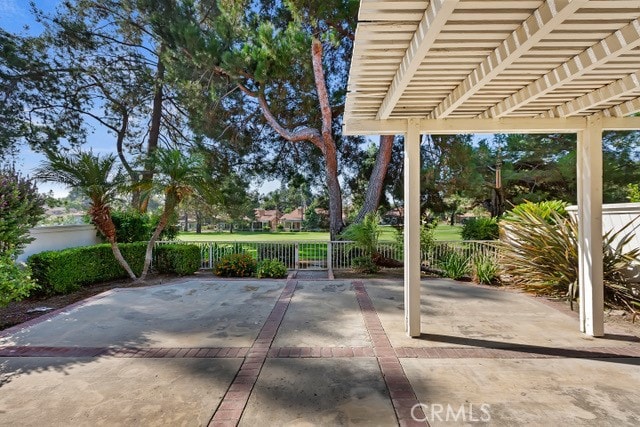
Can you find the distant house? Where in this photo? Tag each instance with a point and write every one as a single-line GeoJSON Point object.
{"type": "Point", "coordinates": [266, 218]}
{"type": "Point", "coordinates": [394, 216]}
{"type": "Point", "coordinates": [292, 221]}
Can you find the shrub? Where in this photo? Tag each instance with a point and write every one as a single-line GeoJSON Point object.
{"type": "Point", "coordinates": [480, 229]}
{"type": "Point", "coordinates": [272, 268]}
{"type": "Point", "coordinates": [365, 234]}
{"type": "Point", "coordinates": [541, 254]}
{"type": "Point", "coordinates": [455, 265]}
{"type": "Point", "coordinates": [485, 269]}
{"type": "Point", "coordinates": [67, 270]}
{"type": "Point", "coordinates": [364, 265]}
{"type": "Point", "coordinates": [133, 226]}
{"type": "Point", "coordinates": [15, 282]}
{"type": "Point", "coordinates": [427, 235]}
{"type": "Point", "coordinates": [236, 265]}
{"type": "Point", "coordinates": [280, 227]}
{"type": "Point", "coordinates": [182, 260]}
{"type": "Point", "coordinates": [21, 207]}
{"type": "Point", "coordinates": [286, 253]}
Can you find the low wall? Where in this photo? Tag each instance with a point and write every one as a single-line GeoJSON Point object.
{"type": "Point", "coordinates": [59, 237]}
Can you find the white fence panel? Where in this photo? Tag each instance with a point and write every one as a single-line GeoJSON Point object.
{"type": "Point", "coordinates": [337, 255]}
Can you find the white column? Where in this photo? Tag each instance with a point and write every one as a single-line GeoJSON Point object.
{"type": "Point", "coordinates": [590, 227]}
{"type": "Point", "coordinates": [412, 228]}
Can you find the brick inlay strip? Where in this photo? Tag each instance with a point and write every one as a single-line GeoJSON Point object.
{"type": "Point", "coordinates": [403, 397]}
{"type": "Point", "coordinates": [510, 352]}
{"type": "Point", "coordinates": [235, 399]}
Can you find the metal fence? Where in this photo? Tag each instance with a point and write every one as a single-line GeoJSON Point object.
{"type": "Point", "coordinates": [314, 255]}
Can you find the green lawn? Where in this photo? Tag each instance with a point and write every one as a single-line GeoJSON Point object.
{"type": "Point", "coordinates": [443, 232]}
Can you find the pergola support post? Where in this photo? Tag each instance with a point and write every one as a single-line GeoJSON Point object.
{"type": "Point", "coordinates": [412, 228]}
{"type": "Point", "coordinates": [591, 273]}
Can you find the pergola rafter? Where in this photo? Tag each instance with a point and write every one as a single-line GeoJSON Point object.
{"type": "Point", "coordinates": [616, 44]}
{"type": "Point", "coordinates": [624, 86]}
{"type": "Point", "coordinates": [539, 24]}
{"type": "Point", "coordinates": [432, 22]}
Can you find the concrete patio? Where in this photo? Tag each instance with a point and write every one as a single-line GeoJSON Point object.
{"type": "Point", "coordinates": [201, 351]}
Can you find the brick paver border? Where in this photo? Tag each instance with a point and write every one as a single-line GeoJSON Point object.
{"type": "Point", "coordinates": [511, 352]}
{"type": "Point", "coordinates": [403, 397]}
{"type": "Point", "coordinates": [232, 405]}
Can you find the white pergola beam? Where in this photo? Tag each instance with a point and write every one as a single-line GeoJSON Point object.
{"type": "Point", "coordinates": [544, 20]}
{"type": "Point", "coordinates": [625, 109]}
{"type": "Point", "coordinates": [624, 86]}
{"type": "Point", "coordinates": [434, 18]}
{"type": "Point", "coordinates": [504, 125]}
{"type": "Point", "coordinates": [604, 51]}
{"type": "Point", "coordinates": [412, 228]}
{"type": "Point", "coordinates": [591, 275]}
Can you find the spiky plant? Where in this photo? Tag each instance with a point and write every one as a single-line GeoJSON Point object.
{"type": "Point", "coordinates": [99, 179]}
{"type": "Point", "coordinates": [365, 234]}
{"type": "Point", "coordinates": [540, 252]}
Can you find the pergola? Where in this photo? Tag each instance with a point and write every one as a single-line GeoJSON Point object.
{"type": "Point", "coordinates": [504, 66]}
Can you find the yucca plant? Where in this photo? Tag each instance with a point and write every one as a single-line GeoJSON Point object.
{"type": "Point", "coordinates": [455, 265]}
{"type": "Point", "coordinates": [540, 252]}
{"type": "Point", "coordinates": [485, 269]}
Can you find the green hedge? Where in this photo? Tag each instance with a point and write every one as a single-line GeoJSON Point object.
{"type": "Point", "coordinates": [65, 271]}
{"type": "Point", "coordinates": [176, 258]}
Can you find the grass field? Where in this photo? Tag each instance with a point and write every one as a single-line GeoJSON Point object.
{"type": "Point", "coordinates": [443, 232]}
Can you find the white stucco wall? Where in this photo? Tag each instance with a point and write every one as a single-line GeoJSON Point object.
{"type": "Point", "coordinates": [59, 237]}
{"type": "Point", "coordinates": [615, 216]}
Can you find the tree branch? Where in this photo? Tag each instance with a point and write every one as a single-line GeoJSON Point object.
{"type": "Point", "coordinates": [298, 135]}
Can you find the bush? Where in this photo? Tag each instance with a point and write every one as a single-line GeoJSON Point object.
{"type": "Point", "coordinates": [272, 268]}
{"type": "Point", "coordinates": [236, 265]}
{"type": "Point", "coordinates": [541, 254]}
{"type": "Point", "coordinates": [67, 270]}
{"type": "Point", "coordinates": [480, 229]}
{"type": "Point", "coordinates": [455, 266]}
{"type": "Point", "coordinates": [182, 260]}
{"type": "Point", "coordinates": [485, 270]}
{"type": "Point", "coordinates": [15, 282]}
{"type": "Point", "coordinates": [133, 226]}
{"type": "Point", "coordinates": [364, 265]}
{"type": "Point", "coordinates": [21, 207]}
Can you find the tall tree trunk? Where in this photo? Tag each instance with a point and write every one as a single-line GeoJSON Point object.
{"type": "Point", "coordinates": [154, 129]}
{"type": "Point", "coordinates": [169, 207]}
{"type": "Point", "coordinates": [376, 180]}
{"type": "Point", "coordinates": [335, 194]}
{"type": "Point", "coordinates": [133, 175]}
{"type": "Point", "coordinates": [101, 217]}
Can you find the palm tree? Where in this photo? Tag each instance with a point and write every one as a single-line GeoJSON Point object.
{"type": "Point", "coordinates": [177, 176]}
{"type": "Point", "coordinates": [97, 178]}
